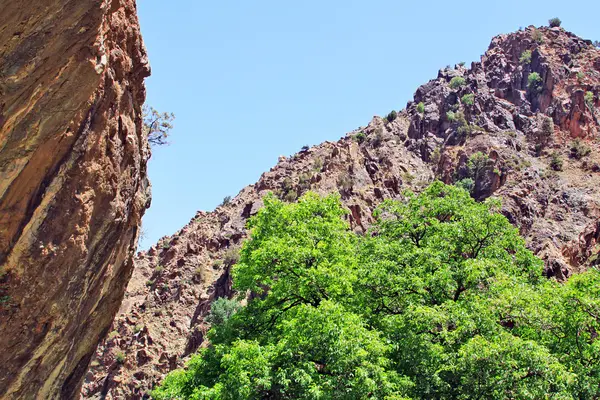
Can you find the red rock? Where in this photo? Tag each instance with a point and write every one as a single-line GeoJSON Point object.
{"type": "Point", "coordinates": [73, 184]}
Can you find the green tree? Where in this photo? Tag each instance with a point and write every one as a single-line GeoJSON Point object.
{"type": "Point", "coordinates": [556, 162]}
{"type": "Point", "coordinates": [534, 82]}
{"type": "Point", "coordinates": [421, 108]}
{"type": "Point", "coordinates": [360, 137]}
{"type": "Point", "coordinates": [221, 310]}
{"type": "Point", "coordinates": [525, 57]}
{"type": "Point", "coordinates": [392, 116]}
{"type": "Point", "coordinates": [554, 22]}
{"type": "Point", "coordinates": [457, 82]}
{"type": "Point", "coordinates": [440, 299]}
{"type": "Point", "coordinates": [157, 126]}
{"type": "Point", "coordinates": [295, 338]}
{"type": "Point", "coordinates": [589, 100]}
{"type": "Point", "coordinates": [468, 99]}
{"type": "Point", "coordinates": [508, 367]}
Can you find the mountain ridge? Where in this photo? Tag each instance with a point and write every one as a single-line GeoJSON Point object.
{"type": "Point", "coordinates": [486, 127]}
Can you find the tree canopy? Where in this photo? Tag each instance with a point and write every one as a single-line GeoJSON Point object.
{"type": "Point", "coordinates": [156, 125]}
{"type": "Point", "coordinates": [441, 299]}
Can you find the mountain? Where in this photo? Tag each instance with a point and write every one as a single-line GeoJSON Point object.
{"type": "Point", "coordinates": [521, 125]}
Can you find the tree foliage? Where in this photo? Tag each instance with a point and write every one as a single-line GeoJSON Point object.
{"type": "Point", "coordinates": [157, 125]}
{"type": "Point", "coordinates": [440, 300]}
{"type": "Point", "coordinates": [457, 82]}
{"type": "Point", "coordinates": [421, 108]}
{"type": "Point", "coordinates": [468, 99]}
{"type": "Point", "coordinates": [554, 22]}
{"type": "Point", "coordinates": [534, 82]}
{"type": "Point", "coordinates": [525, 57]}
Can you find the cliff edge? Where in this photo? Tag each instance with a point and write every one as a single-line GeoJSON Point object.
{"type": "Point", "coordinates": [73, 184]}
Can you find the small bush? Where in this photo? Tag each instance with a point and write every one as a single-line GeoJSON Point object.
{"type": "Point", "coordinates": [159, 269]}
{"type": "Point", "coordinates": [534, 82]}
{"type": "Point", "coordinates": [392, 116]}
{"type": "Point", "coordinates": [287, 183]}
{"type": "Point", "coordinates": [579, 149]}
{"type": "Point", "coordinates": [290, 196]}
{"type": "Point", "coordinates": [589, 100]}
{"type": "Point", "coordinates": [436, 155]}
{"type": "Point", "coordinates": [556, 163]}
{"type": "Point", "coordinates": [408, 177]}
{"type": "Point", "coordinates": [421, 108]}
{"type": "Point", "coordinates": [544, 135]}
{"type": "Point", "coordinates": [120, 357]}
{"type": "Point", "coordinates": [547, 129]}
{"type": "Point", "coordinates": [451, 116]}
{"type": "Point", "coordinates": [597, 43]}
{"type": "Point", "coordinates": [344, 183]}
{"type": "Point", "coordinates": [457, 82]}
{"type": "Point", "coordinates": [286, 191]}
{"type": "Point", "coordinates": [467, 184]}
{"type": "Point", "coordinates": [525, 57]}
{"type": "Point", "coordinates": [377, 137]}
{"type": "Point", "coordinates": [468, 99]}
{"type": "Point", "coordinates": [537, 36]}
{"type": "Point", "coordinates": [305, 148]}
{"type": "Point", "coordinates": [554, 22]}
{"type": "Point", "coordinates": [462, 63]}
{"type": "Point", "coordinates": [226, 200]}
{"type": "Point", "coordinates": [138, 328]}
{"type": "Point", "coordinates": [360, 137]}
{"type": "Point", "coordinates": [318, 163]}
{"type": "Point", "coordinates": [232, 256]}
{"type": "Point", "coordinates": [580, 76]}
{"type": "Point", "coordinates": [538, 149]}
{"type": "Point", "coordinates": [477, 164]}
{"type": "Point", "coordinates": [198, 274]}
{"type": "Point", "coordinates": [221, 310]}
{"type": "Point", "coordinates": [304, 181]}
{"type": "Point", "coordinates": [149, 282]}
{"type": "Point", "coordinates": [464, 127]}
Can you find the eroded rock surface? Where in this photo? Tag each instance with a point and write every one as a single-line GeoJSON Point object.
{"type": "Point", "coordinates": [497, 143]}
{"type": "Point", "coordinates": [73, 184]}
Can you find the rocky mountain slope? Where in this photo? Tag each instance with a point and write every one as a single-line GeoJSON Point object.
{"type": "Point", "coordinates": [522, 125]}
{"type": "Point", "coordinates": [73, 184]}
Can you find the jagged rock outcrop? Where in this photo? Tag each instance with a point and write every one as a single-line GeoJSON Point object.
{"type": "Point", "coordinates": [73, 184]}
{"type": "Point", "coordinates": [506, 140]}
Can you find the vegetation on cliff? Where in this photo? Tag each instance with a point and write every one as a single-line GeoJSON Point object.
{"type": "Point", "coordinates": [440, 300]}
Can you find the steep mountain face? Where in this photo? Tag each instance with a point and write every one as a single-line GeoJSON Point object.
{"type": "Point", "coordinates": [73, 184]}
{"type": "Point", "coordinates": [505, 127]}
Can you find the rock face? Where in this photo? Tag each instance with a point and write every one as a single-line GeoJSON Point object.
{"type": "Point", "coordinates": [73, 184]}
{"type": "Point", "coordinates": [506, 141]}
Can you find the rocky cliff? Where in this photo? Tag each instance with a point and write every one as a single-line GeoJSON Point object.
{"type": "Point", "coordinates": [73, 184]}
{"type": "Point", "coordinates": [522, 124]}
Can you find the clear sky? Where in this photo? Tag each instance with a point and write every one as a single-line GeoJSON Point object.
{"type": "Point", "coordinates": [251, 80]}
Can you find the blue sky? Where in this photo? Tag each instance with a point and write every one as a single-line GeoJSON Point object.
{"type": "Point", "coordinates": [251, 80]}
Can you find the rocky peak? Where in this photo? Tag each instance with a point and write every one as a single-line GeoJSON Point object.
{"type": "Point", "coordinates": [492, 128]}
